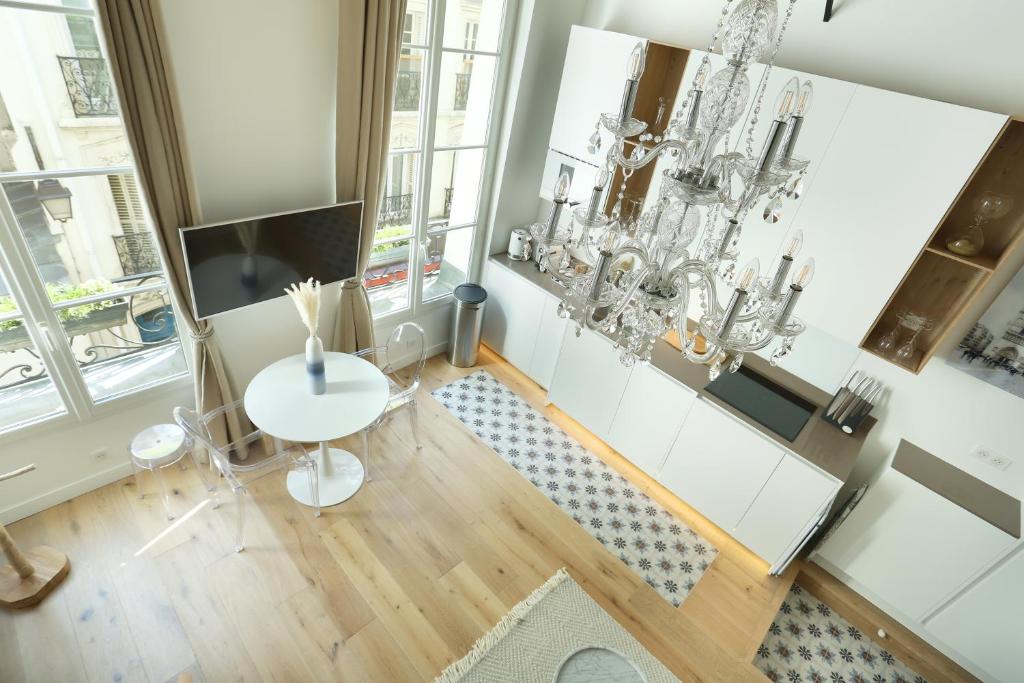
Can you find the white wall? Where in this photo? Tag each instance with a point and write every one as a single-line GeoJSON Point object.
{"type": "Point", "coordinates": [256, 84]}
{"type": "Point", "coordinates": [65, 451]}
{"type": "Point", "coordinates": [542, 35]}
{"type": "Point", "coordinates": [962, 52]}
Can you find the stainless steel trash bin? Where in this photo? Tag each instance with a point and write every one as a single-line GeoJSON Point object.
{"type": "Point", "coordinates": [467, 318]}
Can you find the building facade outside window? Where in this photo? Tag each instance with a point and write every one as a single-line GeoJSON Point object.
{"type": "Point", "coordinates": [441, 135]}
{"type": "Point", "coordinates": [85, 314]}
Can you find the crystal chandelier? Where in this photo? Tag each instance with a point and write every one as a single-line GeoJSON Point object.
{"type": "Point", "coordinates": [633, 280]}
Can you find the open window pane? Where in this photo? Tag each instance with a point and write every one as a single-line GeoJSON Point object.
{"type": "Point", "coordinates": [124, 344]}
{"type": "Point", "coordinates": [58, 108]}
{"type": "Point", "coordinates": [87, 235]}
{"type": "Point", "coordinates": [27, 393]}
{"type": "Point", "coordinates": [447, 261]}
{"type": "Point", "coordinates": [464, 99]}
{"type": "Point", "coordinates": [455, 187]}
{"type": "Point", "coordinates": [387, 276]}
{"type": "Point", "coordinates": [473, 24]}
{"type": "Point", "coordinates": [409, 88]}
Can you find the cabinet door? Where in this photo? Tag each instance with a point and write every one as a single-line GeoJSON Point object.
{"type": "Point", "coordinates": [718, 465]}
{"type": "Point", "coordinates": [511, 315]}
{"type": "Point", "coordinates": [588, 381]}
{"type": "Point", "coordinates": [984, 623]}
{"type": "Point", "coordinates": [593, 78]}
{"type": "Point", "coordinates": [910, 546]}
{"type": "Point", "coordinates": [549, 343]}
{"type": "Point", "coordinates": [893, 168]}
{"type": "Point", "coordinates": [650, 414]}
{"type": "Point", "coordinates": [784, 508]}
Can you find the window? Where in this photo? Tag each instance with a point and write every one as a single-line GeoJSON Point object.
{"type": "Point", "coordinates": [440, 148]}
{"type": "Point", "coordinates": [85, 314]}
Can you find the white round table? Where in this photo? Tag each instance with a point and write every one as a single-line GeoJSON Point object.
{"type": "Point", "coordinates": [279, 402]}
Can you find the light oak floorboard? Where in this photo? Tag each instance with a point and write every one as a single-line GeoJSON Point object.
{"type": "Point", "coordinates": [392, 585]}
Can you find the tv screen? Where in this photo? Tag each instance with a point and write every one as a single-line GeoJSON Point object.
{"type": "Point", "coordinates": [240, 263]}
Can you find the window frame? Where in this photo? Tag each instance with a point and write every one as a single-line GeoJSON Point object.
{"type": "Point", "coordinates": [426, 150]}
{"type": "Point", "coordinates": [40, 315]}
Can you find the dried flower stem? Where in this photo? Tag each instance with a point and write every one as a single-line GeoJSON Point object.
{"type": "Point", "coordinates": [306, 297]}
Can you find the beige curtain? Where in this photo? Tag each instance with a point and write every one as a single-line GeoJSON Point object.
{"type": "Point", "coordinates": [369, 42]}
{"type": "Point", "coordinates": [133, 36]}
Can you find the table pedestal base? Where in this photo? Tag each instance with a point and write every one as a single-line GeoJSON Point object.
{"type": "Point", "coordinates": [340, 478]}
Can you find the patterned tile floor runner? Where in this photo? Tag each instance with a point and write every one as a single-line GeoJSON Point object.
{"type": "Point", "coordinates": [669, 556]}
{"type": "Point", "coordinates": [809, 643]}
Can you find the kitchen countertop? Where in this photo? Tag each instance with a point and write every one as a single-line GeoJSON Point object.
{"type": "Point", "coordinates": [819, 443]}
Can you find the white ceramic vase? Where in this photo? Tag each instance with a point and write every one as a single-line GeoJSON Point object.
{"type": "Point", "coordinates": [315, 365]}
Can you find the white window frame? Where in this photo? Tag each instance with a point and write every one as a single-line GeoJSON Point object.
{"type": "Point", "coordinates": [425, 149]}
{"type": "Point", "coordinates": [40, 314]}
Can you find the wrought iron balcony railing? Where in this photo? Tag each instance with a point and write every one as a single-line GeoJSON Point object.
{"type": "Point", "coordinates": [407, 91]}
{"type": "Point", "coordinates": [88, 84]}
{"type": "Point", "coordinates": [461, 91]}
{"type": "Point", "coordinates": [137, 254]}
{"type": "Point", "coordinates": [396, 210]}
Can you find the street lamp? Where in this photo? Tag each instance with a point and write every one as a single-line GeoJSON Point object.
{"type": "Point", "coordinates": [55, 198]}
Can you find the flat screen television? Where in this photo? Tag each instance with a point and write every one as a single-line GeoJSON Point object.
{"type": "Point", "coordinates": [240, 263]}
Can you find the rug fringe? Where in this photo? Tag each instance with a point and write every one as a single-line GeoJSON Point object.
{"type": "Point", "coordinates": [482, 646]}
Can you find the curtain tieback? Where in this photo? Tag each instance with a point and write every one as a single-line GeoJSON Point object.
{"type": "Point", "coordinates": [203, 336]}
{"type": "Point", "coordinates": [354, 283]}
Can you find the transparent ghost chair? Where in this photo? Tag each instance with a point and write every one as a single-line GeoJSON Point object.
{"type": "Point", "coordinates": [243, 460]}
{"type": "Point", "coordinates": [401, 360]}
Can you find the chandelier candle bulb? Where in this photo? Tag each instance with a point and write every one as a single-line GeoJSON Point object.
{"type": "Point", "coordinates": [784, 105]}
{"type": "Point", "coordinates": [800, 280]}
{"type": "Point", "coordinates": [796, 121]}
{"type": "Point", "coordinates": [634, 71]}
{"type": "Point", "coordinates": [596, 194]}
{"type": "Point", "coordinates": [789, 253]}
{"type": "Point", "coordinates": [739, 297]}
{"type": "Point", "coordinates": [561, 198]}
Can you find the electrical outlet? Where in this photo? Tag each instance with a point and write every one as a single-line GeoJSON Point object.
{"type": "Point", "coordinates": [99, 454]}
{"type": "Point", "coordinates": [990, 457]}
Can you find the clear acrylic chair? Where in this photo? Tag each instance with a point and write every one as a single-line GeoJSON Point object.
{"type": "Point", "coordinates": [405, 351]}
{"type": "Point", "coordinates": [262, 455]}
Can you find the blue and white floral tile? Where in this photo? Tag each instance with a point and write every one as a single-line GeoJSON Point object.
{"type": "Point", "coordinates": [657, 546]}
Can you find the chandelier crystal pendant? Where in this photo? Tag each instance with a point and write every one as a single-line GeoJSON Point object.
{"type": "Point", "coordinates": [633, 279]}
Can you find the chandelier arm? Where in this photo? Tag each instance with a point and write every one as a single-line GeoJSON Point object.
{"type": "Point", "coordinates": [680, 279]}
{"type": "Point", "coordinates": [630, 164]}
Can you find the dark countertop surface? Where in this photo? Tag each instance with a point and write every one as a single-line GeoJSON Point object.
{"type": "Point", "coordinates": [819, 443]}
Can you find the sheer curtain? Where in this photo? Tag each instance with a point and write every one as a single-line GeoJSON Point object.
{"type": "Point", "coordinates": [369, 40]}
{"type": "Point", "coordinates": [132, 35]}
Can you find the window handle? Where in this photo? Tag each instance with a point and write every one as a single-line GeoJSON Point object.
{"type": "Point", "coordinates": [47, 339]}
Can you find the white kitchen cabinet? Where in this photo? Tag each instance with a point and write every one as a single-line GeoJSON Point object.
{"type": "Point", "coordinates": [892, 169]}
{"type": "Point", "coordinates": [592, 81]}
{"type": "Point", "coordinates": [588, 380]}
{"type": "Point", "coordinates": [790, 501]}
{"type": "Point", "coordinates": [983, 624]}
{"type": "Point", "coordinates": [548, 343]}
{"type": "Point", "coordinates": [910, 547]}
{"type": "Point", "coordinates": [718, 464]}
{"type": "Point", "coordinates": [649, 416]}
{"type": "Point", "coordinates": [512, 315]}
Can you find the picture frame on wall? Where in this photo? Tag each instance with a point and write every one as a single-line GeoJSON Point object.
{"type": "Point", "coordinates": [993, 349]}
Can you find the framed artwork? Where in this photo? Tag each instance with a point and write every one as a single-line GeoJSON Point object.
{"type": "Point", "coordinates": [993, 350]}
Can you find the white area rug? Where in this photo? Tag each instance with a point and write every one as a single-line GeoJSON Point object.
{"type": "Point", "coordinates": [532, 642]}
{"type": "Point", "coordinates": [809, 643]}
{"type": "Point", "coordinates": [669, 556]}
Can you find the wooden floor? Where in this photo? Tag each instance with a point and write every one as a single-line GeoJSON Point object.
{"type": "Point", "coordinates": [392, 585]}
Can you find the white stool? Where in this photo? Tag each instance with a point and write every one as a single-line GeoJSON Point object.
{"type": "Point", "coordinates": [153, 449]}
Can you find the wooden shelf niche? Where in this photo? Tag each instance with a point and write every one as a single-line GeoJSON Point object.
{"type": "Point", "coordinates": [940, 284]}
